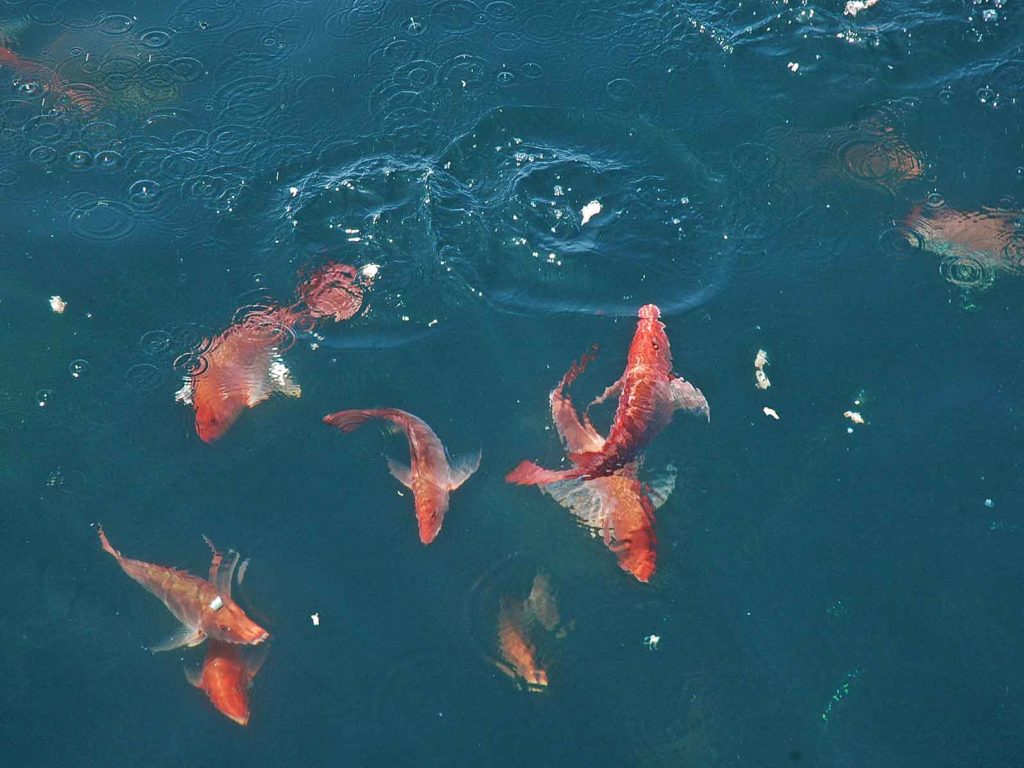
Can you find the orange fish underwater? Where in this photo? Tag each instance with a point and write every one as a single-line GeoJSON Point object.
{"type": "Point", "coordinates": [62, 93]}
{"type": "Point", "coordinates": [649, 393]}
{"type": "Point", "coordinates": [227, 673]}
{"type": "Point", "coordinates": [617, 505]}
{"type": "Point", "coordinates": [226, 678]}
{"type": "Point", "coordinates": [519, 623]}
{"type": "Point", "coordinates": [430, 476]}
{"type": "Point", "coordinates": [204, 608]}
{"type": "Point", "coordinates": [993, 237]}
{"type": "Point", "coordinates": [244, 366]}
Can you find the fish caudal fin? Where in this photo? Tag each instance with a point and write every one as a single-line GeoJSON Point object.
{"type": "Point", "coordinates": [347, 421]}
{"type": "Point", "coordinates": [461, 469]}
{"type": "Point", "coordinates": [528, 473]}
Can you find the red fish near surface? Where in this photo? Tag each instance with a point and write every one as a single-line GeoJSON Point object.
{"type": "Point", "coordinates": [48, 78]}
{"type": "Point", "coordinates": [226, 679]}
{"type": "Point", "coordinates": [244, 366]}
{"type": "Point", "coordinates": [227, 673]}
{"type": "Point", "coordinates": [617, 505]}
{"type": "Point", "coordinates": [993, 237]}
{"type": "Point", "coordinates": [430, 476]}
{"type": "Point", "coordinates": [204, 608]}
{"type": "Point", "coordinates": [648, 396]}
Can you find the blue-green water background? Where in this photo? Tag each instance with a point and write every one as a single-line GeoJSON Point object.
{"type": "Point", "coordinates": [823, 598]}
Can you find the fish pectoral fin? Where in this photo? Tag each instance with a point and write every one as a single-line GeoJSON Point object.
{"type": "Point", "coordinates": [402, 472]}
{"type": "Point", "coordinates": [611, 391]}
{"type": "Point", "coordinates": [194, 676]}
{"type": "Point", "coordinates": [661, 487]}
{"type": "Point", "coordinates": [255, 660]}
{"type": "Point", "coordinates": [460, 470]}
{"type": "Point", "coordinates": [687, 397]}
{"type": "Point", "coordinates": [184, 636]}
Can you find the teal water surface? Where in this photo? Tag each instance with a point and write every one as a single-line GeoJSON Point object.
{"type": "Point", "coordinates": [841, 191]}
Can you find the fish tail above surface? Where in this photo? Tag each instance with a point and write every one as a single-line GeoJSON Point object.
{"type": "Point", "coordinates": [528, 473]}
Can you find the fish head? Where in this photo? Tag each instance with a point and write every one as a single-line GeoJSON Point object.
{"type": "Point", "coordinates": [650, 345]}
{"type": "Point", "coordinates": [215, 417]}
{"type": "Point", "coordinates": [639, 560]}
{"type": "Point", "coordinates": [431, 505]}
{"type": "Point", "coordinates": [228, 623]}
{"type": "Point", "coordinates": [536, 679]}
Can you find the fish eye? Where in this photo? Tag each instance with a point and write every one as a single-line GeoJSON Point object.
{"type": "Point", "coordinates": [223, 627]}
{"type": "Point", "coordinates": [654, 344]}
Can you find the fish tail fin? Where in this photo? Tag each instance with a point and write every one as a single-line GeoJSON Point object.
{"type": "Point", "coordinates": [348, 421]}
{"type": "Point", "coordinates": [528, 473]}
{"type": "Point", "coordinates": [105, 543]}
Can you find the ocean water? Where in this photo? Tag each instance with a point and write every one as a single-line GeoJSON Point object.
{"type": "Point", "coordinates": [841, 190]}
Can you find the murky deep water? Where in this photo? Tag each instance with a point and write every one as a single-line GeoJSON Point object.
{"type": "Point", "coordinates": [843, 192]}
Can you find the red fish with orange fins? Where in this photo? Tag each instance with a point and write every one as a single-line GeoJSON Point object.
{"type": "Point", "coordinates": [51, 80]}
{"type": "Point", "coordinates": [226, 678]}
{"type": "Point", "coordinates": [204, 608]}
{"type": "Point", "coordinates": [648, 393]}
{"type": "Point", "coordinates": [430, 476]}
{"type": "Point", "coordinates": [244, 366]}
{"type": "Point", "coordinates": [227, 673]}
{"type": "Point", "coordinates": [617, 505]}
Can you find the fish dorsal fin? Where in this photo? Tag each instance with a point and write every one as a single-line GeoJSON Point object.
{"type": "Point", "coordinates": [194, 676]}
{"type": "Point", "coordinates": [226, 573]}
{"type": "Point", "coordinates": [222, 569]}
{"type": "Point", "coordinates": [217, 558]}
{"type": "Point", "coordinates": [661, 486]}
{"type": "Point", "coordinates": [463, 466]}
{"type": "Point", "coordinates": [184, 637]}
{"type": "Point", "coordinates": [401, 472]}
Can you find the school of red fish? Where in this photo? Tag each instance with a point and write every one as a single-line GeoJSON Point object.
{"type": "Point", "coordinates": [605, 486]}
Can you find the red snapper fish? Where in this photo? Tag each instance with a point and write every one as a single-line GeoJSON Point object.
{"type": "Point", "coordinates": [226, 678]}
{"type": "Point", "coordinates": [994, 237]}
{"type": "Point", "coordinates": [520, 625]}
{"type": "Point", "coordinates": [244, 366]}
{"type": "Point", "coordinates": [430, 476]}
{"type": "Point", "coordinates": [617, 505]}
{"type": "Point", "coordinates": [649, 393]}
{"type": "Point", "coordinates": [63, 94]}
{"type": "Point", "coordinates": [204, 608]}
{"type": "Point", "coordinates": [227, 673]}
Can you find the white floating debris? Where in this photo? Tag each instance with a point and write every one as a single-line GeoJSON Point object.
{"type": "Point", "coordinates": [589, 211]}
{"type": "Point", "coordinates": [793, 66]}
{"type": "Point", "coordinates": [293, 191]}
{"type": "Point", "coordinates": [651, 642]}
{"type": "Point", "coordinates": [853, 7]}
{"type": "Point", "coordinates": [315, 618]}
{"type": "Point", "coordinates": [771, 412]}
{"type": "Point", "coordinates": [989, 503]}
{"type": "Point", "coordinates": [760, 377]}
{"type": "Point", "coordinates": [58, 305]}
{"type": "Point", "coordinates": [369, 271]}
{"type": "Point", "coordinates": [854, 416]}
